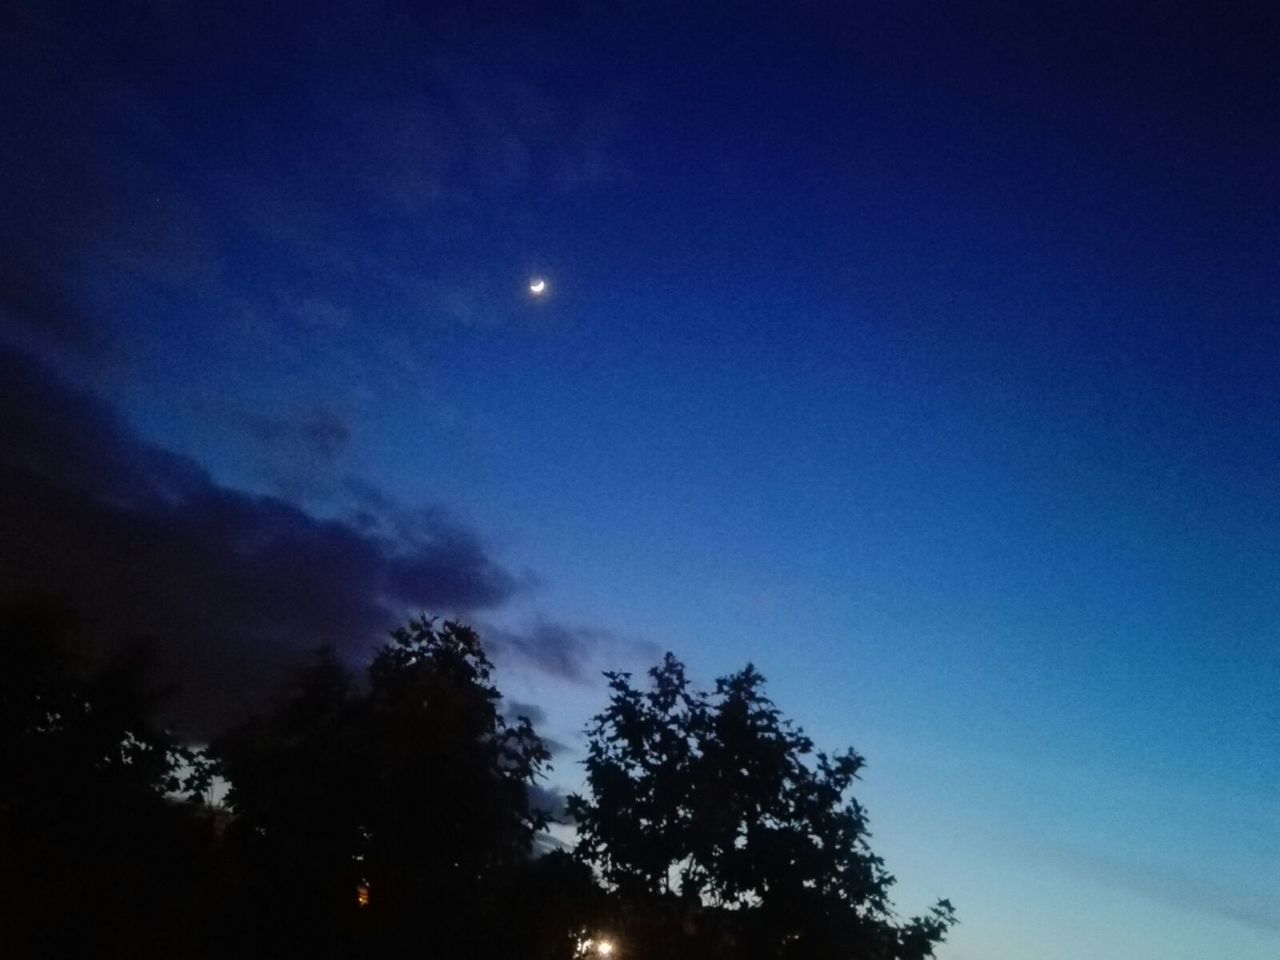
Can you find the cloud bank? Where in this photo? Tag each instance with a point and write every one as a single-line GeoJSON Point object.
{"type": "Point", "coordinates": [233, 587]}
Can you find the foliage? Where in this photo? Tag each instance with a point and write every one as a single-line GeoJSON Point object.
{"type": "Point", "coordinates": [93, 839]}
{"type": "Point", "coordinates": [717, 799]}
{"type": "Point", "coordinates": [414, 787]}
{"type": "Point", "coordinates": [391, 813]}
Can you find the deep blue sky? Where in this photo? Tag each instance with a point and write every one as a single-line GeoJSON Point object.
{"type": "Point", "coordinates": [929, 360]}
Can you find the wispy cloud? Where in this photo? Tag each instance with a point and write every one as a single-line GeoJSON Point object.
{"type": "Point", "coordinates": [568, 651]}
{"type": "Point", "coordinates": [1176, 887]}
{"type": "Point", "coordinates": [429, 123]}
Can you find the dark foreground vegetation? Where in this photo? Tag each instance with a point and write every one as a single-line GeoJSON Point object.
{"type": "Point", "coordinates": [392, 814]}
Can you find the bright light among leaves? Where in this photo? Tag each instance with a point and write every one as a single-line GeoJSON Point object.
{"type": "Point", "coordinates": [594, 947]}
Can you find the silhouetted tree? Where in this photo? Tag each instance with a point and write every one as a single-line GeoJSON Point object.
{"type": "Point", "coordinates": [636, 827]}
{"type": "Point", "coordinates": [96, 852]}
{"type": "Point", "coordinates": [713, 814]}
{"type": "Point", "coordinates": [392, 813]}
{"type": "Point", "coordinates": [555, 898]}
{"type": "Point", "coordinates": [411, 793]}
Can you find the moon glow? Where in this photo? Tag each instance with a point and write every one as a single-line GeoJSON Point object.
{"type": "Point", "coordinates": [537, 286]}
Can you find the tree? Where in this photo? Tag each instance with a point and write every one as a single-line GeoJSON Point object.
{"type": "Point", "coordinates": [640, 764]}
{"type": "Point", "coordinates": [717, 802]}
{"type": "Point", "coordinates": [397, 813]}
{"type": "Point", "coordinates": [96, 850]}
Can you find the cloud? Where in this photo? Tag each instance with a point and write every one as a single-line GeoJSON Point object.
{"type": "Point", "coordinates": [121, 226]}
{"type": "Point", "coordinates": [431, 123]}
{"type": "Point", "coordinates": [558, 649]}
{"type": "Point", "coordinates": [318, 434]}
{"type": "Point", "coordinates": [1170, 885]}
{"type": "Point", "coordinates": [1184, 891]}
{"type": "Point", "coordinates": [548, 800]}
{"type": "Point", "coordinates": [537, 716]}
{"type": "Point", "coordinates": [555, 648]}
{"type": "Point", "coordinates": [300, 453]}
{"type": "Point", "coordinates": [232, 587]}
{"type": "Point", "coordinates": [87, 190]}
{"type": "Point", "coordinates": [532, 711]}
{"type": "Point", "coordinates": [568, 651]}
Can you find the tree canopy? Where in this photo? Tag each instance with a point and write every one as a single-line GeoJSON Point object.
{"type": "Point", "coordinates": [95, 846]}
{"type": "Point", "coordinates": [391, 812]}
{"type": "Point", "coordinates": [362, 810]}
{"type": "Point", "coordinates": [715, 801]}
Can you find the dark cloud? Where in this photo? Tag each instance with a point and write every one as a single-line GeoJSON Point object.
{"type": "Point", "coordinates": [299, 454]}
{"type": "Point", "coordinates": [534, 713]}
{"type": "Point", "coordinates": [233, 587]}
{"type": "Point", "coordinates": [568, 651]}
{"type": "Point", "coordinates": [555, 747]}
{"type": "Point", "coordinates": [110, 195]}
{"type": "Point", "coordinates": [537, 716]}
{"type": "Point", "coordinates": [318, 434]}
{"type": "Point", "coordinates": [556, 648]}
{"type": "Point", "coordinates": [548, 800]}
{"type": "Point", "coordinates": [545, 843]}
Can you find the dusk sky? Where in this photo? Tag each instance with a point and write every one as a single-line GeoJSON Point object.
{"type": "Point", "coordinates": [928, 360]}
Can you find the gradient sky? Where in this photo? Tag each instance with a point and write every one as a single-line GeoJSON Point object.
{"type": "Point", "coordinates": [928, 360]}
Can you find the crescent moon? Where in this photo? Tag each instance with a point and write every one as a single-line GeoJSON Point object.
{"type": "Point", "coordinates": [538, 286]}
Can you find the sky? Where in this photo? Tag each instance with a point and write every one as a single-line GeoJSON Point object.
{"type": "Point", "coordinates": [926, 358]}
